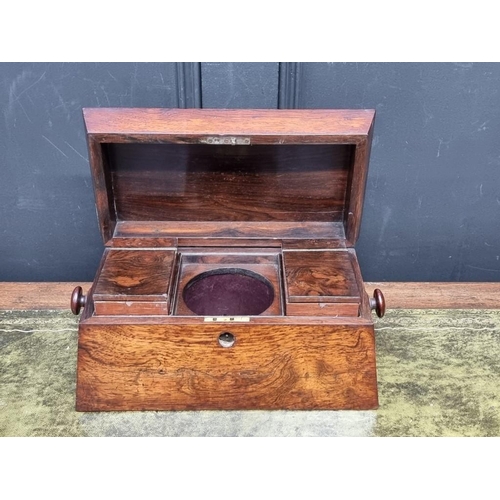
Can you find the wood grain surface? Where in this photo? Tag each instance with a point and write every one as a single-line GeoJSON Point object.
{"type": "Point", "coordinates": [428, 295]}
{"type": "Point", "coordinates": [135, 282]}
{"type": "Point", "coordinates": [321, 276]}
{"type": "Point", "coordinates": [419, 295]}
{"type": "Point", "coordinates": [263, 262]}
{"type": "Point", "coordinates": [151, 367]}
{"type": "Point", "coordinates": [201, 182]}
{"type": "Point", "coordinates": [320, 283]}
{"type": "Point", "coordinates": [229, 165]}
{"type": "Point", "coordinates": [103, 188]}
{"type": "Point", "coordinates": [215, 230]}
{"type": "Point", "coordinates": [140, 275]}
{"type": "Point", "coordinates": [134, 124]}
{"type": "Point", "coordinates": [356, 189]}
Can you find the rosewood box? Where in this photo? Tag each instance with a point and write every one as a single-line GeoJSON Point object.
{"type": "Point", "coordinates": [229, 278]}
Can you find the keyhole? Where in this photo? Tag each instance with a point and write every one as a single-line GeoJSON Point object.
{"type": "Point", "coordinates": [226, 339]}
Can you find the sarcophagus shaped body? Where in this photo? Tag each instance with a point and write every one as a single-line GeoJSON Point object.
{"type": "Point", "coordinates": [229, 278]}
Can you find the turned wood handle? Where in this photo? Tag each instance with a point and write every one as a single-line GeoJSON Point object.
{"type": "Point", "coordinates": [378, 302]}
{"type": "Point", "coordinates": [78, 300]}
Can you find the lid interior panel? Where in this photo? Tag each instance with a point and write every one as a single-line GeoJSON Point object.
{"type": "Point", "coordinates": [200, 182]}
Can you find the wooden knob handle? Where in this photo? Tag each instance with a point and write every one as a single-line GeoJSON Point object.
{"type": "Point", "coordinates": [78, 300]}
{"type": "Point", "coordinates": [378, 303]}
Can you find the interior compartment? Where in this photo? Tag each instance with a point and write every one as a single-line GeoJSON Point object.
{"type": "Point", "coordinates": [220, 205]}
{"type": "Point", "coordinates": [228, 292]}
{"type": "Point", "coordinates": [229, 282]}
{"type": "Point", "coordinates": [212, 281]}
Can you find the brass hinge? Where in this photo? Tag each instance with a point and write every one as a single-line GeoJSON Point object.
{"type": "Point", "coordinates": [231, 141]}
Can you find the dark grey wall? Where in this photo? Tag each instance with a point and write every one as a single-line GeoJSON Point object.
{"type": "Point", "coordinates": [240, 85]}
{"type": "Point", "coordinates": [48, 225]}
{"type": "Point", "coordinates": [432, 209]}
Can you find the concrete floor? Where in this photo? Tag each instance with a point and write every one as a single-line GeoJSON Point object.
{"type": "Point", "coordinates": [438, 371]}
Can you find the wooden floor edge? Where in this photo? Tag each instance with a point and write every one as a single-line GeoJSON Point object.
{"type": "Point", "coordinates": [46, 296]}
{"type": "Point", "coordinates": [427, 295]}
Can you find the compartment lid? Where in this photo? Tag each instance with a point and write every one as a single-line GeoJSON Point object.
{"type": "Point", "coordinates": [135, 282]}
{"type": "Point", "coordinates": [135, 275]}
{"type": "Point", "coordinates": [229, 174]}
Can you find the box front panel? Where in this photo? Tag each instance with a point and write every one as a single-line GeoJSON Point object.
{"type": "Point", "coordinates": [219, 366]}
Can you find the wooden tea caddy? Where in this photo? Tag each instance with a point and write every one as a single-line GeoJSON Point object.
{"type": "Point", "coordinates": [229, 278]}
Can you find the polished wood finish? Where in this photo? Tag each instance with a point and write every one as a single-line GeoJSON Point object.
{"type": "Point", "coordinates": [78, 300]}
{"type": "Point", "coordinates": [135, 275]}
{"type": "Point", "coordinates": [378, 302]}
{"type": "Point", "coordinates": [286, 166]}
{"type": "Point", "coordinates": [228, 223]}
{"type": "Point", "coordinates": [129, 307]}
{"type": "Point", "coordinates": [262, 126]}
{"type": "Point", "coordinates": [199, 182]}
{"type": "Point", "coordinates": [356, 189]}
{"type": "Point", "coordinates": [320, 283]}
{"type": "Point", "coordinates": [142, 242]}
{"type": "Point", "coordinates": [195, 262]}
{"type": "Point", "coordinates": [320, 276]}
{"type": "Point", "coordinates": [313, 244]}
{"type": "Point", "coordinates": [322, 308]}
{"type": "Point", "coordinates": [131, 279]}
{"type": "Point", "coordinates": [103, 188]}
{"type": "Point", "coordinates": [183, 367]}
{"type": "Point", "coordinates": [216, 230]}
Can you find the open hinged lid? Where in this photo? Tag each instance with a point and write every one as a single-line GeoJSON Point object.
{"type": "Point", "coordinates": [178, 175]}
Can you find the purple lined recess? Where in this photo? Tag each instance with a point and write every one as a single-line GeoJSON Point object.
{"type": "Point", "coordinates": [228, 292]}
